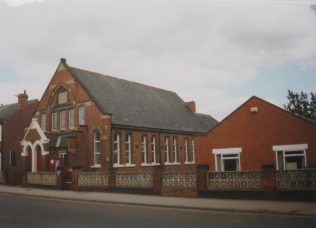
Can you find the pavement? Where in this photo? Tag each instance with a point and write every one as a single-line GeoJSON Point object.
{"type": "Point", "coordinates": [229, 205]}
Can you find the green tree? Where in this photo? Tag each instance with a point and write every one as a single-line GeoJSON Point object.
{"type": "Point", "coordinates": [301, 104]}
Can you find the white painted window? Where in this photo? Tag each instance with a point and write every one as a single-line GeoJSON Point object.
{"type": "Point", "coordinates": [128, 149]}
{"type": "Point", "coordinates": [144, 149]}
{"type": "Point", "coordinates": [175, 152]}
{"type": "Point", "coordinates": [167, 150]}
{"type": "Point", "coordinates": [63, 97]}
{"type": "Point", "coordinates": [0, 133]}
{"type": "Point", "coordinates": [82, 115]}
{"type": "Point", "coordinates": [154, 149]}
{"type": "Point", "coordinates": [290, 157]}
{"type": "Point", "coordinates": [97, 148]}
{"type": "Point", "coordinates": [186, 150]}
{"type": "Point", "coordinates": [193, 150]}
{"type": "Point", "coordinates": [62, 120]}
{"type": "Point", "coordinates": [71, 119]}
{"type": "Point", "coordinates": [43, 121]}
{"type": "Point", "coordinates": [54, 121]}
{"type": "Point", "coordinates": [116, 146]}
{"type": "Point", "coordinates": [227, 159]}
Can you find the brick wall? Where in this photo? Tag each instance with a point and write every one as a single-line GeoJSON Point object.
{"type": "Point", "coordinates": [256, 133]}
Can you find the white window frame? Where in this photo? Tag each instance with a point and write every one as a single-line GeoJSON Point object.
{"type": "Point", "coordinates": [71, 118]}
{"type": "Point", "coordinates": [82, 114]}
{"type": "Point", "coordinates": [116, 151]}
{"type": "Point", "coordinates": [175, 151]}
{"type": "Point", "coordinates": [144, 149]}
{"type": "Point", "coordinates": [54, 121]}
{"type": "Point", "coordinates": [166, 150]}
{"type": "Point", "coordinates": [186, 150]}
{"type": "Point", "coordinates": [62, 120]}
{"type": "Point", "coordinates": [95, 152]}
{"type": "Point", "coordinates": [0, 133]}
{"type": "Point", "coordinates": [289, 148]}
{"type": "Point", "coordinates": [193, 150]}
{"type": "Point", "coordinates": [128, 150]}
{"type": "Point", "coordinates": [43, 122]}
{"type": "Point", "coordinates": [227, 151]}
{"type": "Point", "coordinates": [154, 150]}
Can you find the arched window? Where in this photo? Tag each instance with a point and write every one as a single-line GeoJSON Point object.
{"type": "Point", "coordinates": [97, 148]}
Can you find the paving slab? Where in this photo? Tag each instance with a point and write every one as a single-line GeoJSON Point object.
{"type": "Point", "coordinates": [232, 205]}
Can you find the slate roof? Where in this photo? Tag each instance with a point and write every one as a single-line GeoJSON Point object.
{"type": "Point", "coordinates": [7, 110]}
{"type": "Point", "coordinates": [208, 120]}
{"type": "Point", "coordinates": [136, 105]}
{"type": "Point", "coordinates": [58, 141]}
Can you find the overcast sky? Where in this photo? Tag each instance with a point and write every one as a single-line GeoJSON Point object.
{"type": "Point", "coordinates": [218, 53]}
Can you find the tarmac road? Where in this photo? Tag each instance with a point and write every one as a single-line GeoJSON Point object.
{"type": "Point", "coordinates": [23, 211]}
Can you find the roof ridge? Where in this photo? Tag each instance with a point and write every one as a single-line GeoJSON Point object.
{"type": "Point", "coordinates": [114, 77]}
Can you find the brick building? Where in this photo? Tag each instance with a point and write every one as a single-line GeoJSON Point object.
{"type": "Point", "coordinates": [256, 134]}
{"type": "Point", "coordinates": [13, 119]}
{"type": "Point", "coordinates": [95, 123]}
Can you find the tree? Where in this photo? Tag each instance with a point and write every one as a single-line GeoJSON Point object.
{"type": "Point", "coordinates": [301, 104]}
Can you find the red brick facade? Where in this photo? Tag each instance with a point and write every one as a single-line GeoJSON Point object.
{"type": "Point", "coordinates": [255, 127]}
{"type": "Point", "coordinates": [81, 145]}
{"type": "Point", "coordinates": [12, 134]}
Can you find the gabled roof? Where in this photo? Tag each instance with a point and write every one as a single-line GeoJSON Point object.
{"type": "Point", "coordinates": [7, 110]}
{"type": "Point", "coordinates": [136, 105]}
{"type": "Point", "coordinates": [310, 121]}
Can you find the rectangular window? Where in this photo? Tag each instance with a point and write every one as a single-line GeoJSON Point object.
{"type": "Point", "coordinates": [186, 150]}
{"type": "Point", "coordinates": [227, 159]}
{"type": "Point", "coordinates": [175, 152]}
{"type": "Point", "coordinates": [116, 149]}
{"type": "Point", "coordinates": [54, 121]}
{"type": "Point", "coordinates": [144, 149]}
{"type": "Point", "coordinates": [193, 151]}
{"type": "Point", "coordinates": [12, 158]}
{"type": "Point", "coordinates": [0, 133]}
{"type": "Point", "coordinates": [62, 97]}
{"type": "Point", "coordinates": [97, 148]}
{"type": "Point", "coordinates": [290, 157]}
{"type": "Point", "coordinates": [166, 150]}
{"type": "Point", "coordinates": [128, 149]}
{"type": "Point", "coordinates": [153, 149]}
{"type": "Point", "coordinates": [62, 120]}
{"type": "Point", "coordinates": [71, 119]}
{"type": "Point", "coordinates": [82, 115]}
{"type": "Point", "coordinates": [43, 122]}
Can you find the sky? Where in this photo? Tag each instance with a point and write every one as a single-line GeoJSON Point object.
{"type": "Point", "coordinates": [218, 53]}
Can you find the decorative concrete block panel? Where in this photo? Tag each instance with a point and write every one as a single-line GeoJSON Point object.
{"type": "Point", "coordinates": [245, 180]}
{"type": "Point", "coordinates": [304, 179]}
{"type": "Point", "coordinates": [93, 179]}
{"type": "Point", "coordinates": [134, 180]}
{"type": "Point", "coordinates": [42, 178]}
{"type": "Point", "coordinates": [179, 180]}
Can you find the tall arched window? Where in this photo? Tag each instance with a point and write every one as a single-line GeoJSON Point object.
{"type": "Point", "coordinates": [97, 148]}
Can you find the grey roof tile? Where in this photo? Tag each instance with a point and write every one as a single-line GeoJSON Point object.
{"type": "Point", "coordinates": [136, 105]}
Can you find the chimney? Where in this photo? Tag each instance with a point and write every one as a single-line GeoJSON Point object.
{"type": "Point", "coordinates": [191, 106]}
{"type": "Point", "coordinates": [22, 99]}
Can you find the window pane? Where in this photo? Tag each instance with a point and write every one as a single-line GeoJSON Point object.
{"type": "Point", "coordinates": [71, 119]}
{"type": "Point", "coordinates": [43, 122]}
{"type": "Point", "coordinates": [81, 115]}
{"type": "Point", "coordinates": [230, 164]}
